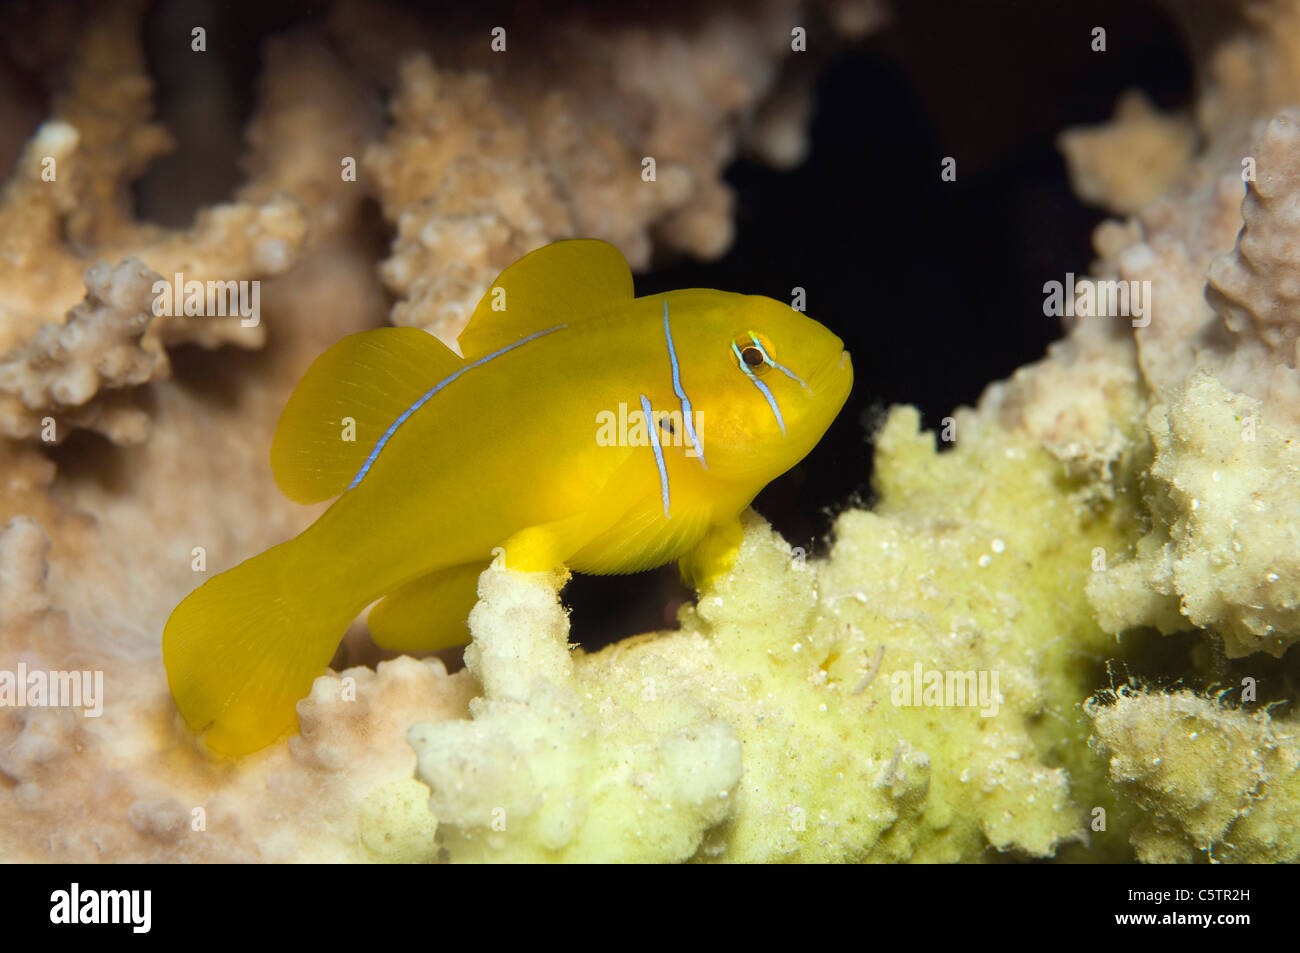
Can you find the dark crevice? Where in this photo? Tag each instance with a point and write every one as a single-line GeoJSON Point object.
{"type": "Point", "coordinates": [936, 287]}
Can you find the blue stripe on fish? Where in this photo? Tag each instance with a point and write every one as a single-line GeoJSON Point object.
{"type": "Point", "coordinates": [767, 359]}
{"type": "Point", "coordinates": [681, 394]}
{"type": "Point", "coordinates": [653, 427]}
{"type": "Point", "coordinates": [771, 398]}
{"type": "Point", "coordinates": [374, 454]}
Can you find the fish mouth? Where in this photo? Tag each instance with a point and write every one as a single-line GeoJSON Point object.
{"type": "Point", "coordinates": [830, 370]}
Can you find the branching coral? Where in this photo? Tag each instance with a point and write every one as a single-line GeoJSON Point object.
{"type": "Point", "coordinates": [483, 166]}
{"type": "Point", "coordinates": [345, 780]}
{"type": "Point", "coordinates": [1256, 288]}
{"type": "Point", "coordinates": [1219, 357]}
{"type": "Point", "coordinates": [104, 544]}
{"type": "Point", "coordinates": [65, 366]}
{"type": "Point", "coordinates": [1131, 160]}
{"type": "Point", "coordinates": [1220, 494]}
{"type": "Point", "coordinates": [68, 207]}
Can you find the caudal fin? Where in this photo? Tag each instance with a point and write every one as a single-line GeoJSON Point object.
{"type": "Point", "coordinates": [243, 648]}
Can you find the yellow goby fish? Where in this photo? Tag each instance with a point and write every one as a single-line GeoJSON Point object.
{"type": "Point", "coordinates": [583, 426]}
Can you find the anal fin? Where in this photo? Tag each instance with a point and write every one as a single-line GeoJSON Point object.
{"type": "Point", "coordinates": [427, 613]}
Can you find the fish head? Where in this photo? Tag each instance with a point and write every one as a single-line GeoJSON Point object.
{"type": "Point", "coordinates": [770, 382]}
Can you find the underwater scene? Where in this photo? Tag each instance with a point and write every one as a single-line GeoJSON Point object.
{"type": "Point", "coordinates": [794, 431]}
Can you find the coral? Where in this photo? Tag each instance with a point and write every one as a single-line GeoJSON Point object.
{"type": "Point", "coordinates": [65, 366]}
{"type": "Point", "coordinates": [1136, 157]}
{"type": "Point", "coordinates": [102, 539]}
{"type": "Point", "coordinates": [1256, 288]}
{"type": "Point", "coordinates": [1213, 781]}
{"type": "Point", "coordinates": [784, 675]}
{"type": "Point", "coordinates": [1218, 357]}
{"type": "Point", "coordinates": [1215, 306]}
{"type": "Point", "coordinates": [1108, 488]}
{"type": "Point", "coordinates": [605, 759]}
{"type": "Point", "coordinates": [346, 777]}
{"type": "Point", "coordinates": [68, 206]}
{"type": "Point", "coordinates": [1217, 547]}
{"type": "Point", "coordinates": [1224, 553]}
{"type": "Point", "coordinates": [484, 165]}
{"type": "Point", "coordinates": [1248, 64]}
{"type": "Point", "coordinates": [311, 106]}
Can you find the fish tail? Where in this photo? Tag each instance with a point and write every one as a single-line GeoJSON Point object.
{"type": "Point", "coordinates": [243, 648]}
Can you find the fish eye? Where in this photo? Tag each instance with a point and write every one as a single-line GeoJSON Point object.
{"type": "Point", "coordinates": [752, 352]}
{"type": "Point", "coordinates": [666, 424]}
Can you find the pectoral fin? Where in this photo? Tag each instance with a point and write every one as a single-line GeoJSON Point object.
{"type": "Point", "coordinates": [714, 555]}
{"type": "Point", "coordinates": [547, 545]}
{"type": "Point", "coordinates": [428, 613]}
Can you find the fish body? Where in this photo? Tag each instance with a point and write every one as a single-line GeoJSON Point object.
{"type": "Point", "coordinates": [582, 426]}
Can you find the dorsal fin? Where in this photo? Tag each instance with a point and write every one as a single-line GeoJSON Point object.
{"type": "Point", "coordinates": [372, 377]}
{"type": "Point", "coordinates": [566, 282]}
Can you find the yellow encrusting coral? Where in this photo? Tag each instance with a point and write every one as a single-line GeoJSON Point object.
{"type": "Point", "coordinates": [1214, 783]}
{"type": "Point", "coordinates": [1224, 551]}
{"type": "Point", "coordinates": [570, 758]}
{"type": "Point", "coordinates": [784, 672]}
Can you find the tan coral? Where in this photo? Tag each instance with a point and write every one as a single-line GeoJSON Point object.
{"type": "Point", "coordinates": [635, 751]}
{"type": "Point", "coordinates": [1213, 306]}
{"type": "Point", "coordinates": [1248, 59]}
{"type": "Point", "coordinates": [70, 204]}
{"type": "Point", "coordinates": [32, 270]}
{"type": "Point", "coordinates": [1256, 289]}
{"type": "Point", "coordinates": [313, 115]}
{"type": "Point", "coordinates": [106, 544]}
{"type": "Point", "coordinates": [65, 367]}
{"type": "Point", "coordinates": [483, 166]}
{"type": "Point", "coordinates": [108, 100]}
{"type": "Point", "coordinates": [131, 784]}
{"type": "Point", "coordinates": [1132, 159]}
